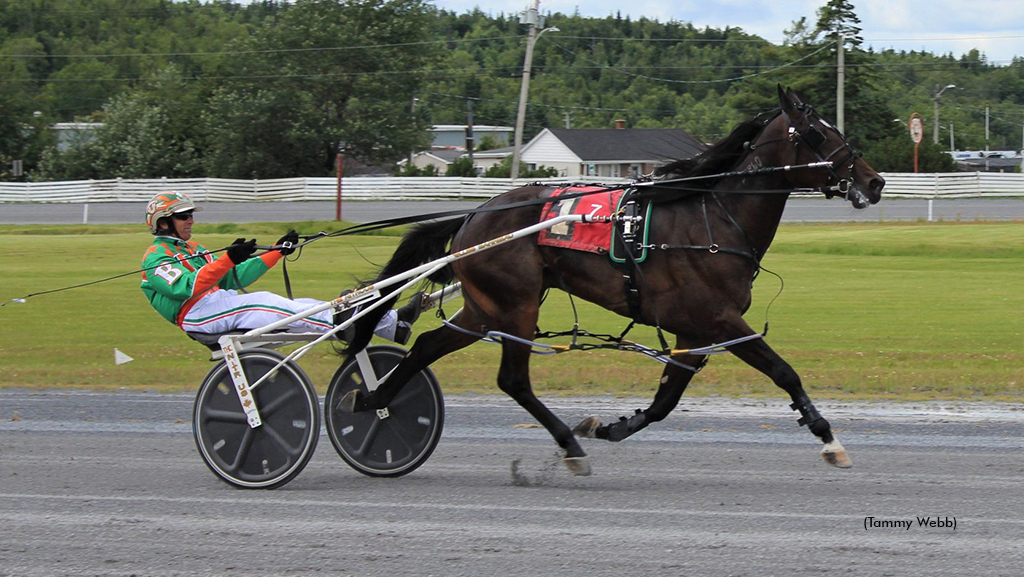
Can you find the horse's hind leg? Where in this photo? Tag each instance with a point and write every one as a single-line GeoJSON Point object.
{"type": "Point", "coordinates": [759, 355]}
{"type": "Point", "coordinates": [427, 348]}
{"type": "Point", "coordinates": [514, 380]}
{"type": "Point", "coordinates": [674, 381]}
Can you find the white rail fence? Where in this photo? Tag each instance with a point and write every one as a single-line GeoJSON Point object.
{"type": "Point", "coordinates": [898, 185]}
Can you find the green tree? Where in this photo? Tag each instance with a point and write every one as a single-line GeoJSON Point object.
{"type": "Point", "coordinates": [148, 133]}
{"type": "Point", "coordinates": [23, 133]}
{"type": "Point", "coordinates": [503, 169]}
{"type": "Point", "coordinates": [409, 169]}
{"type": "Point", "coordinates": [357, 93]}
{"type": "Point", "coordinates": [261, 134]}
{"type": "Point", "coordinates": [896, 154]}
{"type": "Point", "coordinates": [461, 166]}
{"type": "Point", "coordinates": [488, 142]}
{"type": "Point", "coordinates": [838, 17]}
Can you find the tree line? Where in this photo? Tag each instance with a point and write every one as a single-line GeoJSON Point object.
{"type": "Point", "coordinates": [274, 89]}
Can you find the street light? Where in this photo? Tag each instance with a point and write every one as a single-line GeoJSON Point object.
{"type": "Point", "coordinates": [531, 39]}
{"type": "Point", "coordinates": [935, 99]}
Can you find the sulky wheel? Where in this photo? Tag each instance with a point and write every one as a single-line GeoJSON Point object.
{"type": "Point", "coordinates": [273, 453]}
{"type": "Point", "coordinates": [393, 441]}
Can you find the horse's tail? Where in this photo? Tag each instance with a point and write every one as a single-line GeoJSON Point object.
{"type": "Point", "coordinates": [424, 243]}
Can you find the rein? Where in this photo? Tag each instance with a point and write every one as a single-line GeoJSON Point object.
{"type": "Point", "coordinates": [388, 223]}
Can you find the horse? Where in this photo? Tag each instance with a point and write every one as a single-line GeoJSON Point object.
{"type": "Point", "coordinates": [698, 289]}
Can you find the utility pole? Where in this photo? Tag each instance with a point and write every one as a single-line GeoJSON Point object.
{"type": "Point", "coordinates": [340, 168]}
{"type": "Point", "coordinates": [986, 139]}
{"type": "Point", "coordinates": [412, 115]}
{"type": "Point", "coordinates": [470, 139]}
{"type": "Point", "coordinates": [567, 125]}
{"type": "Point", "coordinates": [935, 100]}
{"type": "Point", "coordinates": [532, 19]}
{"type": "Point", "coordinates": [840, 85]}
{"type": "Point", "coordinates": [952, 143]}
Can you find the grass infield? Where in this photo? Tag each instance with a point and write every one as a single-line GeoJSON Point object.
{"type": "Point", "coordinates": [870, 311]}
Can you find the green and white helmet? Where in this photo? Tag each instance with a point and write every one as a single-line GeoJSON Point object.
{"type": "Point", "coordinates": [165, 204]}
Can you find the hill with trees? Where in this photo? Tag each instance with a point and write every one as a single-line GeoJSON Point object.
{"type": "Point", "coordinates": [272, 89]}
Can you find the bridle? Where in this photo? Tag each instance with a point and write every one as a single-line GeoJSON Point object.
{"type": "Point", "coordinates": [815, 139]}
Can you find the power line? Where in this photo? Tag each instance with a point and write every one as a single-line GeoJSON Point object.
{"type": "Point", "coordinates": [767, 41]}
{"type": "Point", "coordinates": [930, 38]}
{"type": "Point", "coordinates": [679, 40]}
{"type": "Point", "coordinates": [267, 51]}
{"type": "Point", "coordinates": [673, 81]}
{"type": "Point", "coordinates": [461, 71]}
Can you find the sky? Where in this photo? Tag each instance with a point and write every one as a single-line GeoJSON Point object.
{"type": "Point", "coordinates": [995, 27]}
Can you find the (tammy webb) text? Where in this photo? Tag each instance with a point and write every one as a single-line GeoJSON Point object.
{"type": "Point", "coordinates": [906, 524]}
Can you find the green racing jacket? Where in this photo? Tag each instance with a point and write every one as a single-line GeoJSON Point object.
{"type": "Point", "coordinates": [185, 272]}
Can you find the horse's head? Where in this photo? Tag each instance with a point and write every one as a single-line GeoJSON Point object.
{"type": "Point", "coordinates": [815, 140]}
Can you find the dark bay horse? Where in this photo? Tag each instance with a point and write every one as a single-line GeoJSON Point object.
{"type": "Point", "coordinates": [697, 294]}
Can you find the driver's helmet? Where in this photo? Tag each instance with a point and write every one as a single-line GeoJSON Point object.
{"type": "Point", "coordinates": [165, 204]}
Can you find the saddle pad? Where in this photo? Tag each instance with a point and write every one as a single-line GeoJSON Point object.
{"type": "Point", "coordinates": [590, 236]}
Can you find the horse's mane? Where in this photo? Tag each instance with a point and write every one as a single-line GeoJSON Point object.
{"type": "Point", "coordinates": [721, 156]}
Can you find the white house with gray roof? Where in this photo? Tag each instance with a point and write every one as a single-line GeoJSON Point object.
{"type": "Point", "coordinates": [613, 152]}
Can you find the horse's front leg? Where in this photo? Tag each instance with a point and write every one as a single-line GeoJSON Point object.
{"type": "Point", "coordinates": [759, 355]}
{"type": "Point", "coordinates": [674, 380]}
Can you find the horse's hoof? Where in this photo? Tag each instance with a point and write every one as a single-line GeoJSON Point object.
{"type": "Point", "coordinates": [835, 455]}
{"type": "Point", "coordinates": [579, 466]}
{"type": "Point", "coordinates": [347, 404]}
{"type": "Point", "coordinates": [587, 428]}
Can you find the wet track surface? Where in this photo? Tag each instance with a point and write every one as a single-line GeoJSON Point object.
{"type": "Point", "coordinates": [111, 484]}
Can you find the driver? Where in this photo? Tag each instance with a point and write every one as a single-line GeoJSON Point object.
{"type": "Point", "coordinates": [201, 293]}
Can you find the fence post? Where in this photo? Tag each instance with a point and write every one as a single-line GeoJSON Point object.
{"type": "Point", "coordinates": [935, 193]}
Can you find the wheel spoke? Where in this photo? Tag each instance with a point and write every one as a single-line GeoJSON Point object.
{"type": "Point", "coordinates": [371, 436]}
{"type": "Point", "coordinates": [243, 449]}
{"type": "Point", "coordinates": [273, 434]}
{"type": "Point", "coordinates": [270, 408]}
{"type": "Point", "coordinates": [222, 416]}
{"type": "Point", "coordinates": [399, 433]}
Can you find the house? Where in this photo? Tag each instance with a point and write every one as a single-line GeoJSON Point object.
{"type": "Point", "coordinates": [604, 153]}
{"type": "Point", "coordinates": [439, 158]}
{"type": "Point", "coordinates": [484, 159]}
{"type": "Point", "coordinates": [70, 134]}
{"type": "Point", "coordinates": [615, 152]}
{"type": "Point", "coordinates": [454, 135]}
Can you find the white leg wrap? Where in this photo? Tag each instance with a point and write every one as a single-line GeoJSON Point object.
{"type": "Point", "coordinates": [835, 454]}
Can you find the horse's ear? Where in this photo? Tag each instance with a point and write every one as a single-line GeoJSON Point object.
{"type": "Point", "coordinates": [794, 97]}
{"type": "Point", "coordinates": [787, 101]}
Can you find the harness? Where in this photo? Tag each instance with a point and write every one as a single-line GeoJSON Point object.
{"type": "Point", "coordinates": [630, 229]}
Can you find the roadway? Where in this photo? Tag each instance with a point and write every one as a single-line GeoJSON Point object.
{"type": "Point", "coordinates": [797, 210]}
{"type": "Point", "coordinates": [111, 484]}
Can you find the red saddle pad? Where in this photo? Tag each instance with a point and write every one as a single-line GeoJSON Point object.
{"type": "Point", "coordinates": [586, 236]}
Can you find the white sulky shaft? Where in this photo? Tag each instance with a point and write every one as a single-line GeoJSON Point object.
{"type": "Point", "coordinates": [416, 274]}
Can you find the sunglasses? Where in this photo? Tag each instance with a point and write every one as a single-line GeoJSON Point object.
{"type": "Point", "coordinates": [182, 215]}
